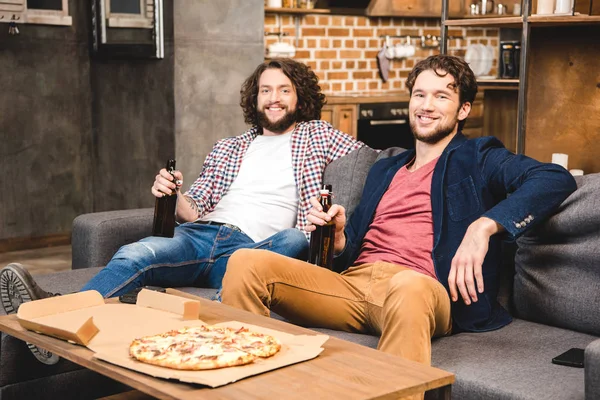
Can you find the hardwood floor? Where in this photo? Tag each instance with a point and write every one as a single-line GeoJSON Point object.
{"type": "Point", "coordinates": [40, 261]}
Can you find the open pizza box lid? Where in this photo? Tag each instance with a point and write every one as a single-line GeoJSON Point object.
{"type": "Point", "coordinates": [108, 329]}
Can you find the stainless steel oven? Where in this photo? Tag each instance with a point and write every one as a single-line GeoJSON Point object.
{"type": "Point", "coordinates": [383, 125]}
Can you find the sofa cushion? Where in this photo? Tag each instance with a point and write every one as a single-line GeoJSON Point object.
{"type": "Point", "coordinates": [512, 363]}
{"type": "Point", "coordinates": [347, 175]}
{"type": "Point", "coordinates": [557, 279]}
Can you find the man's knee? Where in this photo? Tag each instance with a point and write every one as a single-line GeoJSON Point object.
{"type": "Point", "coordinates": [410, 285]}
{"type": "Point", "coordinates": [292, 243]}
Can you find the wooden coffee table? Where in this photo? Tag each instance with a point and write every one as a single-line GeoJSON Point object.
{"type": "Point", "coordinates": [344, 370]}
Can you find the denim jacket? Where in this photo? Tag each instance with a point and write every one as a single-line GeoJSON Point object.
{"type": "Point", "coordinates": [471, 179]}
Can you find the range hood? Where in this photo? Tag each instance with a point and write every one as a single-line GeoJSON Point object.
{"type": "Point", "coordinates": [391, 8]}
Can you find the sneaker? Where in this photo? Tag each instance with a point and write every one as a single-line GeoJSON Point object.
{"type": "Point", "coordinates": [17, 286]}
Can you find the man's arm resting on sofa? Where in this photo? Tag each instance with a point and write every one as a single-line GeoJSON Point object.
{"type": "Point", "coordinates": [592, 370]}
{"type": "Point", "coordinates": [97, 236]}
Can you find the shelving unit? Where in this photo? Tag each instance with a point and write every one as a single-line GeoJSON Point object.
{"type": "Point", "coordinates": [297, 11]}
{"type": "Point", "coordinates": [558, 87]}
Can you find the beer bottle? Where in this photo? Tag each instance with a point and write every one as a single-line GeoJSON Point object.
{"type": "Point", "coordinates": [322, 239]}
{"type": "Point", "coordinates": [164, 210]}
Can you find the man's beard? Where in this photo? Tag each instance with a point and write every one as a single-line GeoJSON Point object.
{"type": "Point", "coordinates": [436, 136]}
{"type": "Point", "coordinates": [279, 126]}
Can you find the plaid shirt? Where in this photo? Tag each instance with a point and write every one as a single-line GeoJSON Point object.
{"type": "Point", "coordinates": [314, 145]}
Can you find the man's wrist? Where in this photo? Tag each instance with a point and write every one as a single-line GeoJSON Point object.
{"type": "Point", "coordinates": [487, 226]}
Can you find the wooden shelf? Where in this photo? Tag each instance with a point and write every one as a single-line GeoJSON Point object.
{"type": "Point", "coordinates": [495, 21]}
{"type": "Point", "coordinates": [304, 11]}
{"type": "Point", "coordinates": [499, 84]}
{"type": "Point", "coordinates": [554, 20]}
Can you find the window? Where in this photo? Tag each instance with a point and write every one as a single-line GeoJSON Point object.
{"type": "Point", "coordinates": [130, 13]}
{"type": "Point", "coordinates": [47, 12]}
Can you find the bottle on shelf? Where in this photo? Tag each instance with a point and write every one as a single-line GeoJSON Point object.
{"type": "Point", "coordinates": [322, 239]}
{"type": "Point", "coordinates": [164, 210]}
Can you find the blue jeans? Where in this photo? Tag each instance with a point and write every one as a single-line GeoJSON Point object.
{"type": "Point", "coordinates": [197, 255]}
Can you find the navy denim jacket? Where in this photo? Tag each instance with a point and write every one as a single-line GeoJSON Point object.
{"type": "Point", "coordinates": [472, 178]}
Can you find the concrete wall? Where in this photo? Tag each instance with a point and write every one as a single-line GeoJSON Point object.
{"type": "Point", "coordinates": [79, 135]}
{"type": "Point", "coordinates": [217, 45]}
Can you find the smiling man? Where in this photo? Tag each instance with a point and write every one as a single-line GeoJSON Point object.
{"type": "Point", "coordinates": [253, 192]}
{"type": "Point", "coordinates": [420, 255]}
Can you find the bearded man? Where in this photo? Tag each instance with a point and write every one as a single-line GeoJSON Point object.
{"type": "Point", "coordinates": [253, 193]}
{"type": "Point", "coordinates": [420, 255]}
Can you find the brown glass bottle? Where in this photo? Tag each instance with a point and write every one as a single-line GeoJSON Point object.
{"type": "Point", "coordinates": [322, 239]}
{"type": "Point", "coordinates": [164, 210]}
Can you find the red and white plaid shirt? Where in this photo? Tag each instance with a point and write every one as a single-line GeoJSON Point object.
{"type": "Point", "coordinates": [314, 145]}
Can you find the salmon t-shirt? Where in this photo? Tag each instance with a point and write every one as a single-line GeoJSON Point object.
{"type": "Point", "coordinates": [402, 229]}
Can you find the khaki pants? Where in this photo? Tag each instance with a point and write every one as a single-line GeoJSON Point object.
{"type": "Point", "coordinates": [405, 307]}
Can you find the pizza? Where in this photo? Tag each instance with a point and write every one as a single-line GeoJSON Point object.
{"type": "Point", "coordinates": [204, 347]}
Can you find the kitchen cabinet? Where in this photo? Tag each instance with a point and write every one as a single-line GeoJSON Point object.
{"type": "Point", "coordinates": [558, 97]}
{"type": "Point", "coordinates": [342, 116]}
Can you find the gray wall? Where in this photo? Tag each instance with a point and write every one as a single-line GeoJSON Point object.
{"type": "Point", "coordinates": [217, 45]}
{"type": "Point", "coordinates": [78, 135]}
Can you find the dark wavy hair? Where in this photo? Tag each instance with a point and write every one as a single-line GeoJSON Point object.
{"type": "Point", "coordinates": [464, 79]}
{"type": "Point", "coordinates": [306, 83]}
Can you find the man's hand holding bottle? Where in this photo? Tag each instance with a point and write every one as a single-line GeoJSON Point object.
{"type": "Point", "coordinates": [336, 213]}
{"type": "Point", "coordinates": [165, 183]}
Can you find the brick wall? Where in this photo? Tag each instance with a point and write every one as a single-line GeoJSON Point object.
{"type": "Point", "coordinates": [342, 50]}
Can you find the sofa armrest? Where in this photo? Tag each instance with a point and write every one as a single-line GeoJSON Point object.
{"type": "Point", "coordinates": [97, 236]}
{"type": "Point", "coordinates": [592, 370]}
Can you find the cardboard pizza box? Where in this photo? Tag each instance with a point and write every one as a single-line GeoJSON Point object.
{"type": "Point", "coordinates": [109, 328]}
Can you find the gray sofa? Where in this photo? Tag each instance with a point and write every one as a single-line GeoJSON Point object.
{"type": "Point", "coordinates": [551, 286]}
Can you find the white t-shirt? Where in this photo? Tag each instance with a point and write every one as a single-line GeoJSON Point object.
{"type": "Point", "coordinates": [263, 198]}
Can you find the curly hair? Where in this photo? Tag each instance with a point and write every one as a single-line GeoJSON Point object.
{"type": "Point", "coordinates": [306, 83]}
{"type": "Point", "coordinates": [464, 79]}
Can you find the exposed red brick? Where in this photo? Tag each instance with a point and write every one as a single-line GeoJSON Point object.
{"type": "Point", "coordinates": [302, 54]}
{"type": "Point", "coordinates": [337, 20]}
{"type": "Point", "coordinates": [363, 32]}
{"type": "Point", "coordinates": [361, 85]}
{"type": "Point", "coordinates": [350, 53]}
{"type": "Point", "coordinates": [373, 85]}
{"type": "Point", "coordinates": [270, 19]}
{"type": "Point", "coordinates": [361, 44]}
{"type": "Point", "coordinates": [349, 43]}
{"type": "Point", "coordinates": [311, 43]}
{"type": "Point", "coordinates": [323, 20]}
{"type": "Point", "coordinates": [337, 75]}
{"type": "Point", "coordinates": [327, 54]}
{"type": "Point", "coordinates": [361, 21]}
{"type": "Point", "coordinates": [349, 86]}
{"type": "Point", "coordinates": [387, 31]}
{"type": "Point", "coordinates": [350, 64]}
{"type": "Point", "coordinates": [308, 20]}
{"type": "Point", "coordinates": [362, 64]}
{"type": "Point", "coordinates": [363, 75]}
{"type": "Point", "coordinates": [313, 32]}
{"type": "Point", "coordinates": [312, 65]}
{"type": "Point", "coordinates": [336, 87]}
{"type": "Point", "coordinates": [409, 32]}
{"type": "Point", "coordinates": [336, 43]}
{"type": "Point", "coordinates": [371, 53]}
{"type": "Point", "coordinates": [375, 43]}
{"type": "Point", "coordinates": [338, 32]}
{"type": "Point", "coordinates": [385, 21]}
{"type": "Point", "coordinates": [349, 21]}
{"type": "Point", "coordinates": [325, 43]}
{"type": "Point", "coordinates": [397, 84]}
{"type": "Point", "coordinates": [336, 65]}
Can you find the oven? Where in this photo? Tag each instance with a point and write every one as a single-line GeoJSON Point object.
{"type": "Point", "coordinates": [383, 125]}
